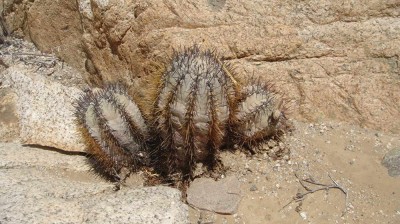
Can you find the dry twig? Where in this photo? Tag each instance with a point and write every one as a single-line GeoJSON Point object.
{"type": "Point", "coordinates": [301, 196]}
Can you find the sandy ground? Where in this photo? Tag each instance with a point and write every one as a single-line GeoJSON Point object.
{"type": "Point", "coordinates": [350, 155]}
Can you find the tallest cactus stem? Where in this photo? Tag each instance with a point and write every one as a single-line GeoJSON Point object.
{"type": "Point", "coordinates": [194, 105]}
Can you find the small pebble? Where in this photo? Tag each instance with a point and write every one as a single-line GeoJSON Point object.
{"type": "Point", "coordinates": [303, 215]}
{"type": "Point", "coordinates": [271, 144]}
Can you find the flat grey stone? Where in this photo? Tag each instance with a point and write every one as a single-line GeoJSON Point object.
{"type": "Point", "coordinates": [392, 162]}
{"type": "Point", "coordinates": [43, 186]}
{"type": "Point", "coordinates": [222, 196]}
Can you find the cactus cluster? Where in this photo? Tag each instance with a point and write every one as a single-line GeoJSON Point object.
{"type": "Point", "coordinates": [199, 106]}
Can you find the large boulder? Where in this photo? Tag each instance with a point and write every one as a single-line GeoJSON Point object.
{"type": "Point", "coordinates": [45, 186]}
{"type": "Point", "coordinates": [37, 96]}
{"type": "Point", "coordinates": [45, 110]}
{"type": "Point", "coordinates": [332, 60]}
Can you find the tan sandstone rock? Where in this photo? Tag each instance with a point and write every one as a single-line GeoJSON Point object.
{"type": "Point", "coordinates": [333, 60]}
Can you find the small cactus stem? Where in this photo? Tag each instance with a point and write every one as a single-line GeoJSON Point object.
{"type": "Point", "coordinates": [114, 128]}
{"type": "Point", "coordinates": [258, 115]}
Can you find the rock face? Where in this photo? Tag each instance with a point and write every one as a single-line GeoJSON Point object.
{"type": "Point", "coordinates": [334, 60]}
{"type": "Point", "coordinates": [49, 187]}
